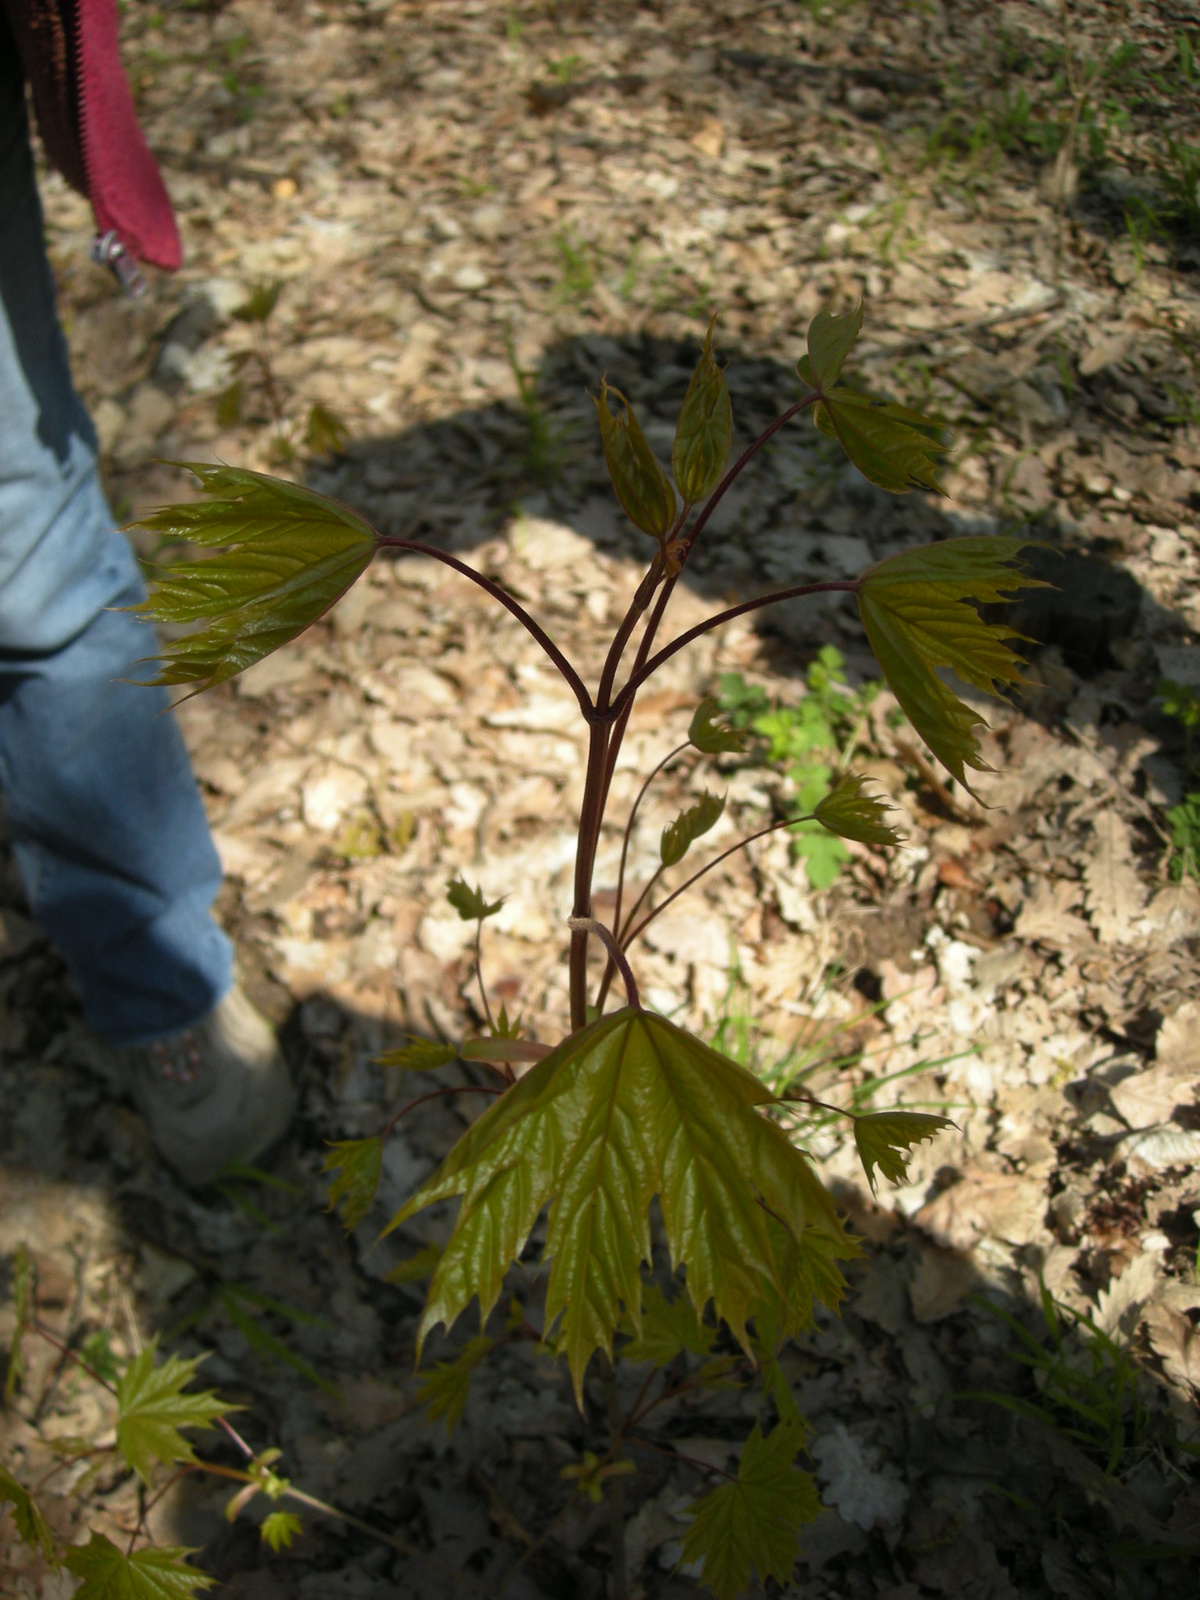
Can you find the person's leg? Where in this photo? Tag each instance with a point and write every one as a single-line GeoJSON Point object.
{"type": "Point", "coordinates": [106, 820]}
{"type": "Point", "coordinates": [108, 827]}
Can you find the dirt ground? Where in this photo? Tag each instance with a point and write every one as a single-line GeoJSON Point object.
{"type": "Point", "coordinates": [474, 210]}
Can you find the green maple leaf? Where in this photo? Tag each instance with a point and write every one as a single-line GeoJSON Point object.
{"type": "Point", "coordinates": [418, 1055]}
{"type": "Point", "coordinates": [704, 431]}
{"type": "Point", "coordinates": [891, 445]}
{"type": "Point", "coordinates": [469, 903]}
{"type": "Point", "coordinates": [280, 1528]}
{"type": "Point", "coordinates": [753, 1523]}
{"type": "Point", "coordinates": [668, 1329]}
{"type": "Point", "coordinates": [153, 1408]}
{"type": "Point", "coordinates": [359, 1162]}
{"type": "Point", "coordinates": [918, 613]}
{"type": "Point", "coordinates": [443, 1390]}
{"type": "Point", "coordinates": [883, 1139]}
{"type": "Point", "coordinates": [290, 554]}
{"type": "Point", "coordinates": [851, 814]}
{"type": "Point", "coordinates": [710, 736]}
{"type": "Point", "coordinates": [629, 1108]}
{"type": "Point", "coordinates": [158, 1573]}
{"type": "Point", "coordinates": [31, 1525]}
{"type": "Point", "coordinates": [679, 836]}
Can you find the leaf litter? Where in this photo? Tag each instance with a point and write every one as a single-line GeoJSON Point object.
{"type": "Point", "coordinates": [1027, 971]}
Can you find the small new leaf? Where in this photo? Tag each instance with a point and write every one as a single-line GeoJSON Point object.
{"type": "Point", "coordinates": [153, 1408]}
{"type": "Point", "coordinates": [262, 301]}
{"type": "Point", "coordinates": [359, 1162]}
{"type": "Point", "coordinates": [884, 1139]}
{"type": "Point", "coordinates": [280, 1528]}
{"type": "Point", "coordinates": [704, 431]}
{"type": "Point", "coordinates": [830, 340]}
{"type": "Point", "coordinates": [851, 814]}
{"type": "Point", "coordinates": [325, 434]}
{"type": "Point", "coordinates": [415, 1267]}
{"type": "Point", "coordinates": [22, 1289]}
{"type": "Point", "coordinates": [291, 553]}
{"type": "Point", "coordinates": [669, 1328]}
{"type": "Point", "coordinates": [418, 1055]}
{"type": "Point", "coordinates": [469, 903]}
{"type": "Point", "coordinates": [753, 1522]}
{"type": "Point", "coordinates": [709, 736]}
{"type": "Point", "coordinates": [159, 1572]}
{"type": "Point", "coordinates": [642, 487]}
{"type": "Point", "coordinates": [679, 836]}
{"type": "Point", "coordinates": [628, 1109]}
{"type": "Point", "coordinates": [892, 446]}
{"type": "Point", "coordinates": [919, 612]}
{"type": "Point", "coordinates": [31, 1525]}
{"type": "Point", "coordinates": [444, 1389]}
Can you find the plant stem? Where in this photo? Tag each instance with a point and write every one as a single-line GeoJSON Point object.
{"type": "Point", "coordinates": [678, 1455]}
{"type": "Point", "coordinates": [615, 953]}
{"type": "Point", "coordinates": [590, 818]}
{"type": "Point", "coordinates": [772, 827]}
{"type": "Point", "coordinates": [500, 594]}
{"type": "Point", "coordinates": [487, 1010]}
{"type": "Point", "coordinates": [639, 676]}
{"type": "Point", "coordinates": [438, 1094]}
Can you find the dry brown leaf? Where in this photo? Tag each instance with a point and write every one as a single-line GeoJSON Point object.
{"type": "Point", "coordinates": [1117, 1307]}
{"type": "Point", "coordinates": [1177, 1345]}
{"type": "Point", "coordinates": [1150, 1097]}
{"type": "Point", "coordinates": [1114, 894]}
{"type": "Point", "coordinates": [1178, 1041]}
{"type": "Point", "coordinates": [1049, 916]}
{"type": "Point", "coordinates": [1000, 1204]}
{"type": "Point", "coordinates": [940, 1280]}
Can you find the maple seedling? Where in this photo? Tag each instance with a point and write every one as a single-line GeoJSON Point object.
{"type": "Point", "coordinates": [629, 1110]}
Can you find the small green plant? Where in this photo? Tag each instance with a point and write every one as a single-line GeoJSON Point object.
{"type": "Point", "coordinates": [543, 446]}
{"type": "Point", "coordinates": [637, 1140]}
{"type": "Point", "coordinates": [577, 269]}
{"type": "Point", "coordinates": [323, 432]}
{"type": "Point", "coordinates": [1184, 823]}
{"type": "Point", "coordinates": [812, 742]}
{"type": "Point", "coordinates": [1178, 171]}
{"type": "Point", "coordinates": [1090, 1388]}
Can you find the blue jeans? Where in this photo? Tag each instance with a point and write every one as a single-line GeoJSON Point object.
{"type": "Point", "coordinates": [107, 825]}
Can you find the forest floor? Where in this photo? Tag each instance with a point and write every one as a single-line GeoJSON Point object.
{"type": "Point", "coordinates": [474, 210]}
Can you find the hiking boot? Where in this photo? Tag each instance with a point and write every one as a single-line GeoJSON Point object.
{"type": "Point", "coordinates": [217, 1092]}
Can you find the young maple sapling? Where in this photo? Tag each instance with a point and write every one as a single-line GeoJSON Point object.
{"type": "Point", "coordinates": [628, 1109]}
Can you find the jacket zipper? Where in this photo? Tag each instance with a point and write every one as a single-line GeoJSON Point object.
{"type": "Point", "coordinates": [107, 249]}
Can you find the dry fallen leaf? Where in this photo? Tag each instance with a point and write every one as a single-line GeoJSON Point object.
{"type": "Point", "coordinates": [1049, 916]}
{"type": "Point", "coordinates": [1177, 1345]}
{"type": "Point", "coordinates": [1114, 893]}
{"type": "Point", "coordinates": [1000, 1204]}
{"type": "Point", "coordinates": [1117, 1307]}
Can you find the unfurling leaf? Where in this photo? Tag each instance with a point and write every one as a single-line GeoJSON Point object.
{"type": "Point", "coordinates": [160, 1572]}
{"type": "Point", "coordinates": [469, 903]}
{"type": "Point", "coordinates": [418, 1055]}
{"type": "Point", "coordinates": [892, 446]}
{"type": "Point", "coordinates": [753, 1522]}
{"type": "Point", "coordinates": [153, 1408]}
{"type": "Point", "coordinates": [22, 1287]}
{"type": "Point", "coordinates": [705, 428]}
{"type": "Point", "coordinates": [415, 1267]}
{"type": "Point", "coordinates": [280, 1528]}
{"type": "Point", "coordinates": [444, 1389]}
{"type": "Point", "coordinates": [31, 1525]}
{"type": "Point", "coordinates": [629, 1108]}
{"type": "Point", "coordinates": [642, 486]}
{"type": "Point", "coordinates": [919, 613]}
{"type": "Point", "coordinates": [851, 814]}
{"type": "Point", "coordinates": [669, 1328]}
{"type": "Point", "coordinates": [679, 836]}
{"type": "Point", "coordinates": [884, 1139]}
{"type": "Point", "coordinates": [325, 434]}
{"type": "Point", "coordinates": [359, 1161]}
{"type": "Point", "coordinates": [830, 340]}
{"type": "Point", "coordinates": [263, 299]}
{"type": "Point", "coordinates": [709, 736]}
{"type": "Point", "coordinates": [291, 553]}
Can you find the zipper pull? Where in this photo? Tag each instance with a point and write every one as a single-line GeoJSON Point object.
{"type": "Point", "coordinates": [108, 251]}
